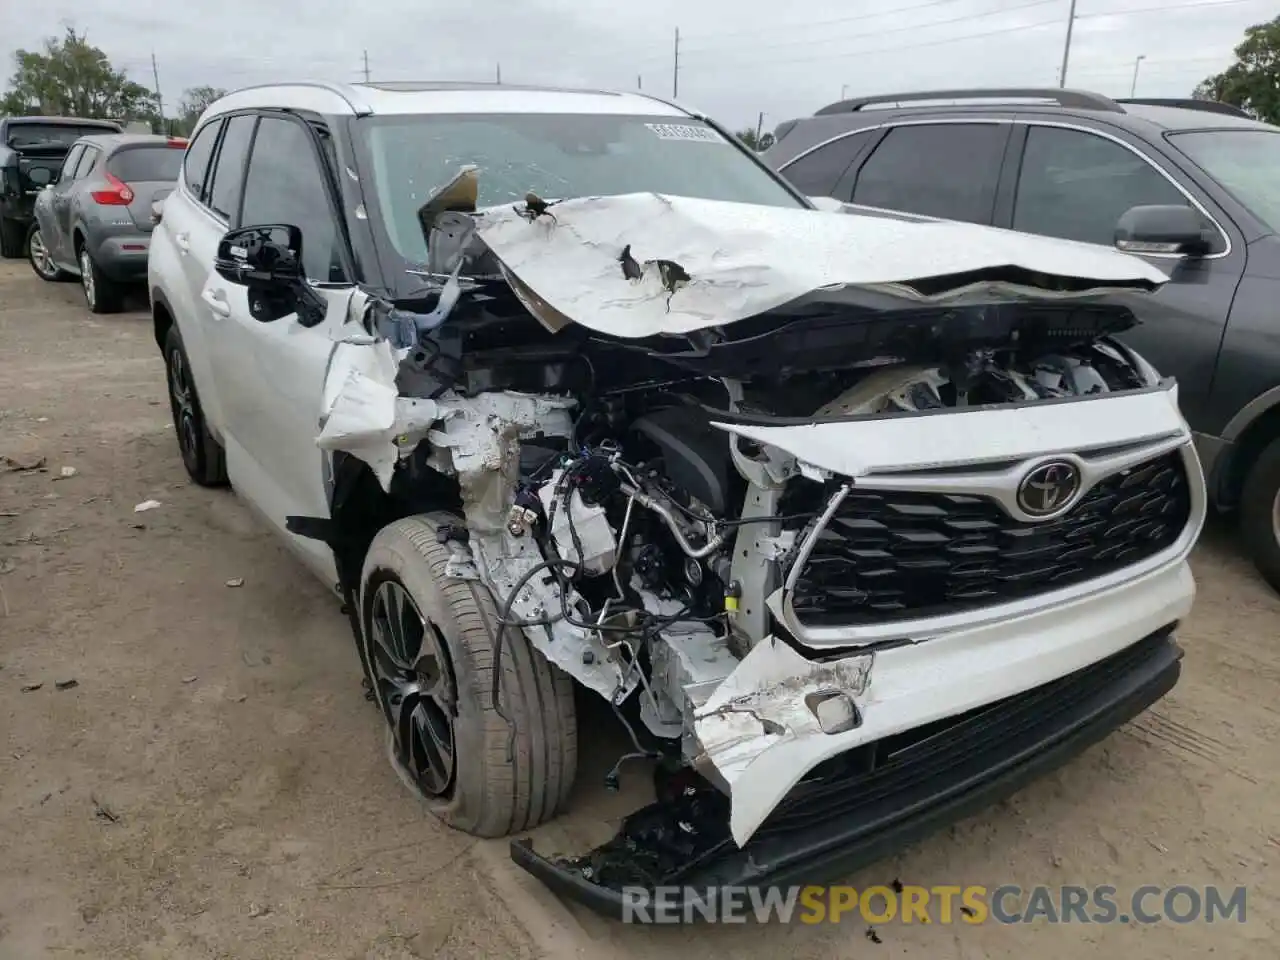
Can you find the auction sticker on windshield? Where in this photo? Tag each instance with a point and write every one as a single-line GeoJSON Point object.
{"type": "Point", "coordinates": [685, 131]}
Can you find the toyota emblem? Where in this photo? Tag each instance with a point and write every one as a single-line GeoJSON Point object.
{"type": "Point", "coordinates": [1048, 488]}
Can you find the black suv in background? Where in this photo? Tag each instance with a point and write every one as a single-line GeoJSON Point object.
{"type": "Point", "coordinates": [1205, 179]}
{"type": "Point", "coordinates": [31, 153]}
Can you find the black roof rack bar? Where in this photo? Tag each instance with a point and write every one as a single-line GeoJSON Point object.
{"type": "Point", "coordinates": [1065, 98]}
{"type": "Point", "coordinates": [1209, 106]}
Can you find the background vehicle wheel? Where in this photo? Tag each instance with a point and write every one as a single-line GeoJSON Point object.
{"type": "Point", "coordinates": [12, 239]}
{"type": "Point", "coordinates": [1260, 513]}
{"type": "Point", "coordinates": [41, 260]}
{"type": "Point", "coordinates": [427, 644]}
{"type": "Point", "coordinates": [201, 454]}
{"type": "Point", "coordinates": [101, 294]}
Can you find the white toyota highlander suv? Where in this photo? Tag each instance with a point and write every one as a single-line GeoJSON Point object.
{"type": "Point", "coordinates": [856, 521]}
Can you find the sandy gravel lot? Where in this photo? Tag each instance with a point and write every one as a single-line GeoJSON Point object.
{"type": "Point", "coordinates": [215, 784]}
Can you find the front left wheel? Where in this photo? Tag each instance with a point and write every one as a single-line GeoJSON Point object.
{"type": "Point", "coordinates": [427, 642]}
{"type": "Point", "coordinates": [1260, 513]}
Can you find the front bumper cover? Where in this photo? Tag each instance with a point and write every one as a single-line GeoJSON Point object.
{"type": "Point", "coordinates": [868, 806]}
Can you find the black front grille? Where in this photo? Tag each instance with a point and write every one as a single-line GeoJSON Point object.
{"type": "Point", "coordinates": [904, 555]}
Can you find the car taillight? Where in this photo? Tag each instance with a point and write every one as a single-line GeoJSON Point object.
{"type": "Point", "coordinates": [117, 194]}
{"type": "Point", "coordinates": [179, 142]}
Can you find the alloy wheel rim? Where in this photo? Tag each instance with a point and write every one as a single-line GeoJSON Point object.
{"type": "Point", "coordinates": [414, 684]}
{"type": "Point", "coordinates": [86, 278]}
{"type": "Point", "coordinates": [184, 413]}
{"type": "Point", "coordinates": [1275, 517]}
{"type": "Point", "coordinates": [40, 255]}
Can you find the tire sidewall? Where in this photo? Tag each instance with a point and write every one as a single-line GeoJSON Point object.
{"type": "Point", "coordinates": [391, 557]}
{"type": "Point", "coordinates": [198, 466]}
{"type": "Point", "coordinates": [1256, 503]}
{"type": "Point", "coordinates": [49, 277]}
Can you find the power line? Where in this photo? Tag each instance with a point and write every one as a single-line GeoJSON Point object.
{"type": "Point", "coordinates": [911, 46]}
{"type": "Point", "coordinates": [828, 23]}
{"type": "Point", "coordinates": [1166, 8]}
{"type": "Point", "coordinates": [879, 33]}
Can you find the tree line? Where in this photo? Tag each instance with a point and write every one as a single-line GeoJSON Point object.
{"type": "Point", "coordinates": [71, 78]}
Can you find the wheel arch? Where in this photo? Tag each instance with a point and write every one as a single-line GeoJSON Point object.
{"type": "Point", "coordinates": [1250, 432]}
{"type": "Point", "coordinates": [161, 316]}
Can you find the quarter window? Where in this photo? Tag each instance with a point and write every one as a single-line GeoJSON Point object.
{"type": "Point", "coordinates": [817, 173]}
{"type": "Point", "coordinates": [1077, 185]}
{"type": "Point", "coordinates": [228, 173]}
{"type": "Point", "coordinates": [87, 161]}
{"type": "Point", "coordinates": [946, 170]}
{"type": "Point", "coordinates": [286, 184]}
{"type": "Point", "coordinates": [68, 171]}
{"type": "Point", "coordinates": [195, 165]}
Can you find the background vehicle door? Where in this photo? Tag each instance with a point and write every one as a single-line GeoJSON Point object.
{"type": "Point", "coordinates": [270, 376]}
{"type": "Point", "coordinates": [57, 239]}
{"type": "Point", "coordinates": [1075, 184]}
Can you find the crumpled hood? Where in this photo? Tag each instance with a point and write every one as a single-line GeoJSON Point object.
{"type": "Point", "coordinates": [742, 260]}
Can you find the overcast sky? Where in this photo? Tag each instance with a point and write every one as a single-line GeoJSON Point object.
{"type": "Point", "coordinates": [737, 57]}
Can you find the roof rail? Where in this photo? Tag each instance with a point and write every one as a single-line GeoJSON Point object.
{"type": "Point", "coordinates": [1209, 106]}
{"type": "Point", "coordinates": [1064, 98]}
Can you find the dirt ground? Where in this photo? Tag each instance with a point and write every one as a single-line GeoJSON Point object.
{"type": "Point", "coordinates": [216, 784]}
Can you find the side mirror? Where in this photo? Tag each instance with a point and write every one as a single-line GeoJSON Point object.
{"type": "Point", "coordinates": [268, 260]}
{"type": "Point", "coordinates": [1163, 228]}
{"type": "Point", "coordinates": [40, 176]}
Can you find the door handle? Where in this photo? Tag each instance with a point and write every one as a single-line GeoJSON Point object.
{"type": "Point", "coordinates": [183, 241]}
{"type": "Point", "coordinates": [217, 301]}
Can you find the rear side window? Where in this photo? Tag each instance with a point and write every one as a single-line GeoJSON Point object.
{"type": "Point", "coordinates": [1077, 185]}
{"type": "Point", "coordinates": [195, 166]}
{"type": "Point", "coordinates": [87, 161]}
{"type": "Point", "coordinates": [228, 174]}
{"type": "Point", "coordinates": [140, 164]}
{"type": "Point", "coordinates": [946, 170]}
{"type": "Point", "coordinates": [69, 163]}
{"type": "Point", "coordinates": [30, 134]}
{"type": "Point", "coordinates": [817, 173]}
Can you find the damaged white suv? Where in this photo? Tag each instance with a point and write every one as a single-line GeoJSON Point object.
{"type": "Point", "coordinates": [856, 521]}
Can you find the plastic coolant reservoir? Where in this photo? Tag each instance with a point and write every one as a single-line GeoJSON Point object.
{"type": "Point", "coordinates": [599, 548]}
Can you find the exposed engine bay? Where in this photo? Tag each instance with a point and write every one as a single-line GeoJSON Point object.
{"type": "Point", "coordinates": [624, 511]}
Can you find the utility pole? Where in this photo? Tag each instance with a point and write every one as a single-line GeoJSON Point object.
{"type": "Point", "coordinates": [155, 74]}
{"type": "Point", "coordinates": [844, 90]}
{"type": "Point", "coordinates": [366, 66]}
{"type": "Point", "coordinates": [639, 82]}
{"type": "Point", "coordinates": [498, 73]}
{"type": "Point", "coordinates": [675, 69]}
{"type": "Point", "coordinates": [1066, 47]}
{"type": "Point", "coordinates": [1133, 87]}
{"type": "Point", "coordinates": [759, 127]}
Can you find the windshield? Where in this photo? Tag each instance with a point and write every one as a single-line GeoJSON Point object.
{"type": "Point", "coordinates": [134, 164]}
{"type": "Point", "coordinates": [556, 156]}
{"type": "Point", "coordinates": [29, 134]}
{"type": "Point", "coordinates": [1246, 162]}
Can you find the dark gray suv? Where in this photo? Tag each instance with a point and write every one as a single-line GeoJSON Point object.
{"type": "Point", "coordinates": [1194, 187]}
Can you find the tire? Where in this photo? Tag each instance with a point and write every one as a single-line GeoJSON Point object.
{"type": "Point", "coordinates": [504, 779]}
{"type": "Point", "coordinates": [13, 239]}
{"type": "Point", "coordinates": [38, 257]}
{"type": "Point", "coordinates": [201, 454]}
{"type": "Point", "coordinates": [101, 293]}
{"type": "Point", "coordinates": [1260, 513]}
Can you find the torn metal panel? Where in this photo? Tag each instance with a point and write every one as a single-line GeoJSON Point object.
{"type": "Point", "coordinates": [748, 729]}
{"type": "Point", "coordinates": [715, 262]}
